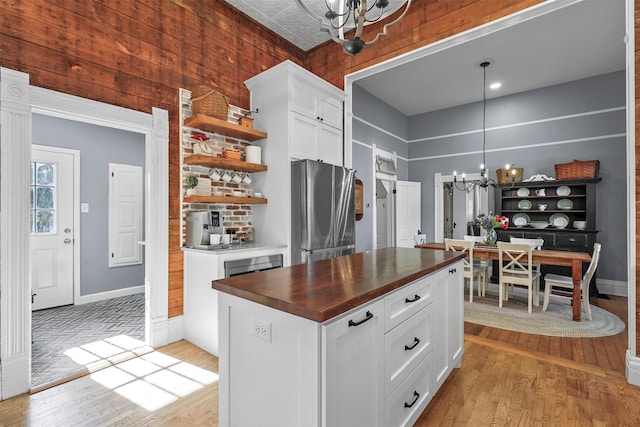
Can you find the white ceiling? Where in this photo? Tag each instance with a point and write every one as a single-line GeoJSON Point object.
{"type": "Point", "coordinates": [578, 41]}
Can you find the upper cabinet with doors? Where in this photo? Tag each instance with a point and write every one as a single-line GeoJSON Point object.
{"type": "Point", "coordinates": [308, 108]}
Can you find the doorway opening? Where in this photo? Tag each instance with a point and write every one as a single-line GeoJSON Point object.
{"type": "Point", "coordinates": [80, 299]}
{"type": "Point", "coordinates": [385, 213]}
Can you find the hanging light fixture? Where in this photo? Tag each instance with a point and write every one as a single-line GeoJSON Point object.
{"type": "Point", "coordinates": [484, 181]}
{"type": "Point", "coordinates": [338, 16]}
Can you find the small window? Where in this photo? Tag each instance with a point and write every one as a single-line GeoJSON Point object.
{"type": "Point", "coordinates": [43, 198]}
{"type": "Point", "coordinates": [385, 165]}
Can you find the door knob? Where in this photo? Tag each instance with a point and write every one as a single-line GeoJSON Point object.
{"type": "Point", "coordinates": [67, 241]}
{"type": "Point", "coordinates": [67, 230]}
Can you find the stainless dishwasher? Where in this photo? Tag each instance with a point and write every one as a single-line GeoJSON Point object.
{"type": "Point", "coordinates": [237, 267]}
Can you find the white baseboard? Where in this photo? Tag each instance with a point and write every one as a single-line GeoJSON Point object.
{"type": "Point", "coordinates": [613, 287]}
{"type": "Point", "coordinates": [632, 369]}
{"type": "Point", "coordinates": [85, 299]}
{"type": "Point", "coordinates": [176, 329]}
{"type": "Point", "coordinates": [16, 378]}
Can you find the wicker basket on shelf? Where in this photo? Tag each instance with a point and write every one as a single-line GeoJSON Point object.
{"type": "Point", "coordinates": [578, 169]}
{"type": "Point", "coordinates": [210, 102]}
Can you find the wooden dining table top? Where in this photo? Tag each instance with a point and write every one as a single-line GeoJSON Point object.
{"type": "Point", "coordinates": [538, 256]}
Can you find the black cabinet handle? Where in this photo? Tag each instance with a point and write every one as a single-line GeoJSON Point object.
{"type": "Point", "coordinates": [415, 298]}
{"type": "Point", "coordinates": [416, 396]}
{"type": "Point", "coordinates": [452, 270]}
{"type": "Point", "coordinates": [416, 341]}
{"type": "Point", "coordinates": [367, 316]}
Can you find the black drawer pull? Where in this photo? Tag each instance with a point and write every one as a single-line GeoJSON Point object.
{"type": "Point", "coordinates": [416, 396]}
{"type": "Point", "coordinates": [452, 270]}
{"type": "Point", "coordinates": [416, 341]}
{"type": "Point", "coordinates": [572, 239]}
{"type": "Point", "coordinates": [367, 316]}
{"type": "Point", "coordinates": [415, 298]}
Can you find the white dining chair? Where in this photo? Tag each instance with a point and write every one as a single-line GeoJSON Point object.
{"type": "Point", "coordinates": [470, 269]}
{"type": "Point", "coordinates": [536, 243]}
{"type": "Point", "coordinates": [566, 282]}
{"type": "Point", "coordinates": [516, 268]}
{"type": "Point", "coordinates": [482, 264]}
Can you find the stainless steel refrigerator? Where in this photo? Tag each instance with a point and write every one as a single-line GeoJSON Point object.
{"type": "Point", "coordinates": [322, 211]}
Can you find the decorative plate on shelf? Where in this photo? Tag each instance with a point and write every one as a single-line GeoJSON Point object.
{"type": "Point", "coordinates": [524, 204]}
{"type": "Point", "coordinates": [523, 192]}
{"type": "Point", "coordinates": [563, 190]}
{"type": "Point", "coordinates": [559, 220]}
{"type": "Point", "coordinates": [520, 220]}
{"type": "Point", "coordinates": [564, 204]}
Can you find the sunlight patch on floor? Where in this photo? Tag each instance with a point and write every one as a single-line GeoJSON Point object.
{"type": "Point", "coordinates": [154, 380]}
{"type": "Point", "coordinates": [98, 354]}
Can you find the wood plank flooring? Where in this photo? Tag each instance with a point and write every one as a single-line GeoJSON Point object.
{"type": "Point", "coordinates": [506, 378]}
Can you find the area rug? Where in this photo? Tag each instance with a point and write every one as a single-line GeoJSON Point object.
{"type": "Point", "coordinates": [556, 321]}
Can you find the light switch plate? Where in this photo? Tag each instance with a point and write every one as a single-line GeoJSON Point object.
{"type": "Point", "coordinates": [84, 207]}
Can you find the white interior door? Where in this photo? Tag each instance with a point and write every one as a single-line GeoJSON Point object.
{"type": "Point", "coordinates": [408, 216]}
{"type": "Point", "coordinates": [52, 233]}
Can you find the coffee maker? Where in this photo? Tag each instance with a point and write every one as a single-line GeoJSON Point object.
{"type": "Point", "coordinates": [199, 225]}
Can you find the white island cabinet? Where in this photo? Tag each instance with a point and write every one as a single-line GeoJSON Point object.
{"type": "Point", "coordinates": [378, 362]}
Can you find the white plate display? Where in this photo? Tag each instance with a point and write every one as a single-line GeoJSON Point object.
{"type": "Point", "coordinates": [524, 204]}
{"type": "Point", "coordinates": [523, 192]}
{"type": "Point", "coordinates": [559, 220]}
{"type": "Point", "coordinates": [520, 220]}
{"type": "Point", "coordinates": [564, 204]}
{"type": "Point", "coordinates": [563, 190]}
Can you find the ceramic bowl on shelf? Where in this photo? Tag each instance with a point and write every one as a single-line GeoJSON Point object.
{"type": "Point", "coordinates": [539, 224]}
{"type": "Point", "coordinates": [580, 225]}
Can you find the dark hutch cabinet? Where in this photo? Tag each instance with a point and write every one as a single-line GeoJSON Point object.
{"type": "Point", "coordinates": [566, 201]}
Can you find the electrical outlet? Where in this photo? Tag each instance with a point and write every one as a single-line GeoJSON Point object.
{"type": "Point", "coordinates": [261, 329]}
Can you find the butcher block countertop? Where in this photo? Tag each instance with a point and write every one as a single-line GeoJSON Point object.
{"type": "Point", "coordinates": [325, 289]}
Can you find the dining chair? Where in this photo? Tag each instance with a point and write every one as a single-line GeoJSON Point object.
{"type": "Point", "coordinates": [566, 282]}
{"type": "Point", "coordinates": [470, 269]}
{"type": "Point", "coordinates": [481, 264]}
{"type": "Point", "coordinates": [535, 244]}
{"type": "Point", "coordinates": [516, 268]}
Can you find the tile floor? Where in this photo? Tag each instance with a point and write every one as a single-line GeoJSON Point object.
{"type": "Point", "coordinates": [72, 340]}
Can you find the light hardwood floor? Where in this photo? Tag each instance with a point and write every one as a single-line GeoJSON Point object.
{"type": "Point", "coordinates": [506, 379]}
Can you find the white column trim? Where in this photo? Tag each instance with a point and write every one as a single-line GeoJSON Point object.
{"type": "Point", "coordinates": [15, 301]}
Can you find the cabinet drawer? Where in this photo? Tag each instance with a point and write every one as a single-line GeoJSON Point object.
{"type": "Point", "coordinates": [549, 238]}
{"type": "Point", "coordinates": [404, 348]}
{"type": "Point", "coordinates": [506, 235]}
{"type": "Point", "coordinates": [573, 240]}
{"type": "Point", "coordinates": [405, 302]}
{"type": "Point", "coordinates": [404, 406]}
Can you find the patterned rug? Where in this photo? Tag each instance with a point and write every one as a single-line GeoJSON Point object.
{"type": "Point", "coordinates": [71, 341]}
{"type": "Point", "coordinates": [556, 321]}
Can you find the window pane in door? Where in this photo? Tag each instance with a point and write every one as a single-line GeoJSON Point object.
{"type": "Point", "coordinates": [42, 198]}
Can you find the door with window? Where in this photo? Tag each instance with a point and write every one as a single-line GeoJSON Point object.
{"type": "Point", "coordinates": [52, 221]}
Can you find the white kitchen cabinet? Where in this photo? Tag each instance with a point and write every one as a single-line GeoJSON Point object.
{"type": "Point", "coordinates": [304, 111]}
{"type": "Point", "coordinates": [448, 303]}
{"type": "Point", "coordinates": [375, 365]}
{"type": "Point", "coordinates": [311, 139]}
{"type": "Point", "coordinates": [352, 352]}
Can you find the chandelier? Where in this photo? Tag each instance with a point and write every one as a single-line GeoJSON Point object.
{"type": "Point", "coordinates": [338, 16]}
{"type": "Point", "coordinates": [484, 181]}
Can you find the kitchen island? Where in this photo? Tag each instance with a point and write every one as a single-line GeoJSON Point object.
{"type": "Point", "coordinates": [362, 339]}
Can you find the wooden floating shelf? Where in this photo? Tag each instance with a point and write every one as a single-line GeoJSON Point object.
{"type": "Point", "coordinates": [225, 199]}
{"type": "Point", "coordinates": [211, 124]}
{"type": "Point", "coordinates": [222, 163]}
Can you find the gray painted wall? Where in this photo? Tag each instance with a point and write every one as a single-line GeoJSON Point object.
{"type": "Point", "coordinates": [584, 120]}
{"type": "Point", "coordinates": [98, 147]}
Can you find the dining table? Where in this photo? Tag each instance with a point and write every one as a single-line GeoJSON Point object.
{"type": "Point", "coordinates": [575, 260]}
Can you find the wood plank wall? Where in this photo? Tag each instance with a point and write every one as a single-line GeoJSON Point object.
{"type": "Point", "coordinates": [137, 53]}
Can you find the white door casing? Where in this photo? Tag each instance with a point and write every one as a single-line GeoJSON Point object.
{"type": "Point", "coordinates": [408, 216]}
{"type": "Point", "coordinates": [52, 250]}
{"type": "Point", "coordinates": [17, 101]}
{"type": "Point", "coordinates": [125, 215]}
